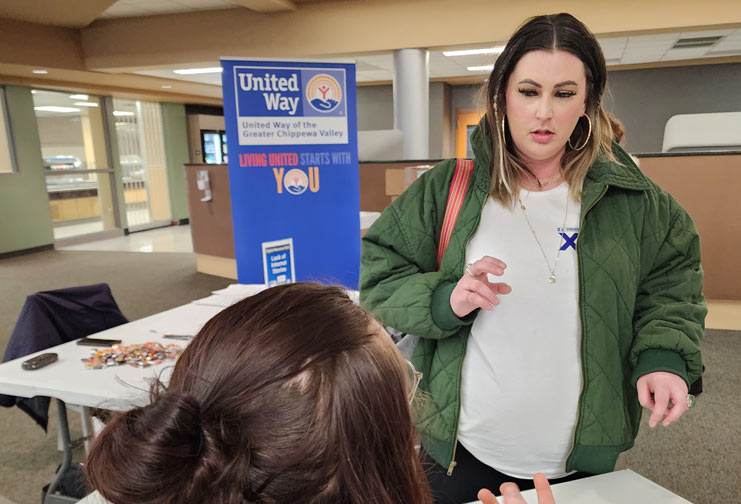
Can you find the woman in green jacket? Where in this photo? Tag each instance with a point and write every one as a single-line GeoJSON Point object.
{"type": "Point", "coordinates": [536, 357]}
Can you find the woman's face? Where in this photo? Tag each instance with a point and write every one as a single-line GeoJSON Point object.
{"type": "Point", "coordinates": [545, 96]}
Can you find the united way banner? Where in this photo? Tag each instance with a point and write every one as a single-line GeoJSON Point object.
{"type": "Point", "coordinates": [293, 167]}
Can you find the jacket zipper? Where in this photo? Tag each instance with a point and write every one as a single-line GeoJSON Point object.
{"type": "Point", "coordinates": [581, 337]}
{"type": "Point", "coordinates": [453, 463]}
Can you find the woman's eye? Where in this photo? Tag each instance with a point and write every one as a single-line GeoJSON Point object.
{"type": "Point", "coordinates": [565, 94]}
{"type": "Point", "coordinates": [528, 92]}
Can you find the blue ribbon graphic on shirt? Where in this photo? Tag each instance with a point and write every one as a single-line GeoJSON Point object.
{"type": "Point", "coordinates": [569, 240]}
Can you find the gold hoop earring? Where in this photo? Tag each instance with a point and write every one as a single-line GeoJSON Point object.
{"type": "Point", "coordinates": [589, 133]}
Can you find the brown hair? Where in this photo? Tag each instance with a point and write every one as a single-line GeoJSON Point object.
{"type": "Point", "coordinates": [618, 130]}
{"type": "Point", "coordinates": [288, 396]}
{"type": "Point", "coordinates": [557, 32]}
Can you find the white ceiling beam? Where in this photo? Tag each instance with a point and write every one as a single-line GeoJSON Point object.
{"type": "Point", "coordinates": [266, 6]}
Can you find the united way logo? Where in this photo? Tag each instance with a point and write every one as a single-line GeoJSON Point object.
{"type": "Point", "coordinates": [295, 181]}
{"type": "Point", "coordinates": [323, 93]}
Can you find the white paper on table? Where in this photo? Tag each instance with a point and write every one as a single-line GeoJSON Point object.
{"type": "Point", "coordinates": [221, 300]}
{"type": "Point", "coordinates": [354, 295]}
{"type": "Point", "coordinates": [368, 218]}
{"type": "Point", "coordinates": [243, 290]}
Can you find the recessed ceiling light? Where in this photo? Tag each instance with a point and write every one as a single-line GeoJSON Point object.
{"type": "Point", "coordinates": [193, 71]}
{"type": "Point", "coordinates": [471, 52]}
{"type": "Point", "coordinates": [40, 72]}
{"type": "Point", "coordinates": [86, 104]}
{"type": "Point", "coordinates": [54, 108]}
{"type": "Point", "coordinates": [120, 113]}
{"type": "Point", "coordinates": [82, 97]}
{"type": "Point", "coordinates": [166, 87]}
{"type": "Point", "coordinates": [480, 68]}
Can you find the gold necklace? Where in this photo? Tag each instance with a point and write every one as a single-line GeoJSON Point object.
{"type": "Point", "coordinates": [552, 278]}
{"type": "Point", "coordinates": [547, 182]}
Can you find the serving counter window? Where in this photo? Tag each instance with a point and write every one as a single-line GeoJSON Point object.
{"type": "Point", "coordinates": [141, 152]}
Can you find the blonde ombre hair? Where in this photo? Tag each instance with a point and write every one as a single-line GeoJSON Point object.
{"type": "Point", "coordinates": [557, 32]}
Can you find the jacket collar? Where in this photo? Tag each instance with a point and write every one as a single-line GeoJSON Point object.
{"type": "Point", "coordinates": [624, 174]}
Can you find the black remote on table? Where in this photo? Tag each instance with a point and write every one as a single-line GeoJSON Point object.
{"type": "Point", "coordinates": [39, 361]}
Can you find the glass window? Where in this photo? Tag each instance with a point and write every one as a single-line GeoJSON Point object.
{"type": "Point", "coordinates": [75, 158]}
{"type": "Point", "coordinates": [7, 155]}
{"type": "Point", "coordinates": [141, 152]}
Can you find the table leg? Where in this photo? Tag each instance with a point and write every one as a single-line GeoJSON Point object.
{"type": "Point", "coordinates": [67, 461]}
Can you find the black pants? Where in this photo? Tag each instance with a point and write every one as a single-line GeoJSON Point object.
{"type": "Point", "coordinates": [471, 475]}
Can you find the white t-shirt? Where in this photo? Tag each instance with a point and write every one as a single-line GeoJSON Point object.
{"type": "Point", "coordinates": [521, 376]}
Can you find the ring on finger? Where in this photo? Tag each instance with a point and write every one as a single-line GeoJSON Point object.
{"type": "Point", "coordinates": [468, 269]}
{"type": "Point", "coordinates": [690, 401]}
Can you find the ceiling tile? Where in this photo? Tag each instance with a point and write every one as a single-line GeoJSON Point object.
{"type": "Point", "coordinates": [727, 45]}
{"type": "Point", "coordinates": [708, 33]}
{"type": "Point", "coordinates": [612, 42]}
{"type": "Point", "coordinates": [689, 53]}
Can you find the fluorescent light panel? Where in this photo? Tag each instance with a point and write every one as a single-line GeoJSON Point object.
{"type": "Point", "coordinates": [54, 108]}
{"type": "Point", "coordinates": [472, 52]}
{"type": "Point", "coordinates": [86, 104]}
{"type": "Point", "coordinates": [480, 68]}
{"type": "Point", "coordinates": [119, 113]}
{"type": "Point", "coordinates": [194, 71]}
{"type": "Point", "coordinates": [82, 97]}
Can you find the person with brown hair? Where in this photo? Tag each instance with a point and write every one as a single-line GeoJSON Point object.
{"type": "Point", "coordinates": [294, 395]}
{"type": "Point", "coordinates": [570, 291]}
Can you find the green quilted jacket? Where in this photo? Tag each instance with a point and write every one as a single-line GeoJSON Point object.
{"type": "Point", "coordinates": [640, 298]}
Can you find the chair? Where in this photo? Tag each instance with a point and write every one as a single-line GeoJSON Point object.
{"type": "Point", "coordinates": [51, 318]}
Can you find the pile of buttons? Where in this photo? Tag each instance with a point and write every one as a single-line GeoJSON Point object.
{"type": "Point", "coordinates": [140, 355]}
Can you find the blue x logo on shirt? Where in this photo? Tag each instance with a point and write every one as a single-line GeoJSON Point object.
{"type": "Point", "coordinates": [569, 241]}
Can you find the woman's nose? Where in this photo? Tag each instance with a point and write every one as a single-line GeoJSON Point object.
{"type": "Point", "coordinates": [545, 108]}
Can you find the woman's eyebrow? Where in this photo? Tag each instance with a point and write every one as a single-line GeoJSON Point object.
{"type": "Point", "coordinates": [530, 81]}
{"type": "Point", "coordinates": [560, 84]}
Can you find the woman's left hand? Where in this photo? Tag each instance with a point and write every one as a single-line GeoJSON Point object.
{"type": "Point", "coordinates": [664, 387]}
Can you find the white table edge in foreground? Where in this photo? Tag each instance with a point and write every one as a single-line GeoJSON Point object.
{"type": "Point", "coordinates": [618, 487]}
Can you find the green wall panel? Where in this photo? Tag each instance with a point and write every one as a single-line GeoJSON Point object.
{"type": "Point", "coordinates": [25, 219]}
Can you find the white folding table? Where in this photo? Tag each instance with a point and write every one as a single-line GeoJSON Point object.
{"type": "Point", "coordinates": [114, 388]}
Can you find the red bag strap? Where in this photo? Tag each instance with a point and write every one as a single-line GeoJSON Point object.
{"type": "Point", "coordinates": [458, 187]}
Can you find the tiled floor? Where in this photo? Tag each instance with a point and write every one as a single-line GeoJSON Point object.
{"type": "Point", "coordinates": [167, 239]}
{"type": "Point", "coordinates": [69, 230]}
{"type": "Point", "coordinates": [134, 217]}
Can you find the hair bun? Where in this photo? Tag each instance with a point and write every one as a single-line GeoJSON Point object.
{"type": "Point", "coordinates": [148, 453]}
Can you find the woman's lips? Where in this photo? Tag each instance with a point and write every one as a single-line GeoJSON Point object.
{"type": "Point", "coordinates": [542, 136]}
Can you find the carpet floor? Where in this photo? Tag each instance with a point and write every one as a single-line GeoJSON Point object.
{"type": "Point", "coordinates": [697, 458]}
{"type": "Point", "coordinates": [142, 284]}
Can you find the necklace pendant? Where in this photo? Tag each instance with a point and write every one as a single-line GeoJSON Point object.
{"type": "Point", "coordinates": [552, 278]}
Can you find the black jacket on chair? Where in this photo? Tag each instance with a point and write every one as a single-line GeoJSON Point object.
{"type": "Point", "coordinates": [54, 317]}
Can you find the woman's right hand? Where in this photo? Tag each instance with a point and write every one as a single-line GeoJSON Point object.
{"type": "Point", "coordinates": [474, 290]}
{"type": "Point", "coordinates": [511, 494]}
